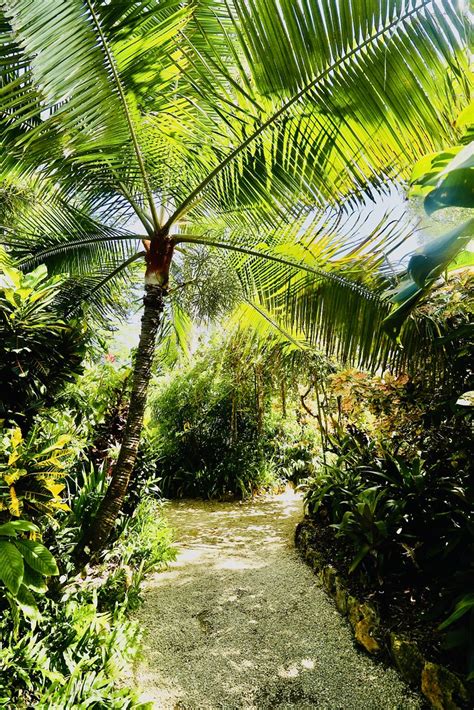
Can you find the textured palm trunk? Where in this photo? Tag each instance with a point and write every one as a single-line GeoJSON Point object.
{"type": "Point", "coordinates": [283, 396]}
{"type": "Point", "coordinates": [156, 281]}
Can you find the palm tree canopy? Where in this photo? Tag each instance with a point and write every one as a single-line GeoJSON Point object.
{"type": "Point", "coordinates": [231, 123]}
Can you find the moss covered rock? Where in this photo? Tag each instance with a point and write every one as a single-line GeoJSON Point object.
{"type": "Point", "coordinates": [340, 597]}
{"type": "Point", "coordinates": [328, 578]}
{"type": "Point", "coordinates": [408, 659]}
{"type": "Point", "coordinates": [443, 689]}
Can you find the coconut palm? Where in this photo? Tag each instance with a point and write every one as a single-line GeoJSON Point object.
{"type": "Point", "coordinates": [234, 124]}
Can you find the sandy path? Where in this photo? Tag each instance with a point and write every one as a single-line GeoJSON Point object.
{"type": "Point", "coordinates": [238, 621]}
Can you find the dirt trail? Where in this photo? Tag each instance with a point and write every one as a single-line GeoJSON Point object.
{"type": "Point", "coordinates": [238, 621]}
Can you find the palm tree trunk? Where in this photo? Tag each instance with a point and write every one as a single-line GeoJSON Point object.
{"type": "Point", "coordinates": [96, 536]}
{"type": "Point", "coordinates": [283, 395]}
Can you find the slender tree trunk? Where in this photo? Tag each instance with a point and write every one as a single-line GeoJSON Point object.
{"type": "Point", "coordinates": [283, 396]}
{"type": "Point", "coordinates": [259, 399]}
{"type": "Point", "coordinates": [97, 534]}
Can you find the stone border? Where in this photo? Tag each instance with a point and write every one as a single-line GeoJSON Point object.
{"type": "Point", "coordinates": [442, 688]}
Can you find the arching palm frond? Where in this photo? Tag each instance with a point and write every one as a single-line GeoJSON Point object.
{"type": "Point", "coordinates": [82, 58]}
{"type": "Point", "coordinates": [47, 227]}
{"type": "Point", "coordinates": [358, 102]}
{"type": "Point", "coordinates": [344, 320]}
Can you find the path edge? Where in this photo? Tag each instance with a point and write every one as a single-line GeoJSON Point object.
{"type": "Point", "coordinates": [443, 689]}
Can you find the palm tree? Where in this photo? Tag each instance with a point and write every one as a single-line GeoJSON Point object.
{"type": "Point", "coordinates": [233, 124]}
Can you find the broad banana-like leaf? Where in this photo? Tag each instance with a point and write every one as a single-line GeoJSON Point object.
{"type": "Point", "coordinates": [424, 268]}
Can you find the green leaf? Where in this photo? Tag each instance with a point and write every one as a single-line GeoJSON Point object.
{"type": "Point", "coordinates": [464, 159]}
{"type": "Point", "coordinates": [363, 551]}
{"type": "Point", "coordinates": [455, 190]}
{"type": "Point", "coordinates": [34, 580]}
{"type": "Point", "coordinates": [7, 529]}
{"type": "Point", "coordinates": [27, 603]}
{"type": "Point", "coordinates": [38, 557]}
{"type": "Point", "coordinates": [11, 566]}
{"type": "Point", "coordinates": [462, 607]}
{"type": "Point", "coordinates": [466, 117]}
{"type": "Point", "coordinates": [21, 525]}
{"type": "Point", "coordinates": [430, 261]}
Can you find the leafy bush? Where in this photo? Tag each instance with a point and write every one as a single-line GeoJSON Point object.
{"type": "Point", "coordinates": [144, 481]}
{"type": "Point", "coordinates": [396, 485]}
{"type": "Point", "coordinates": [294, 450]}
{"type": "Point", "coordinates": [24, 566]}
{"type": "Point", "coordinates": [31, 479]}
{"type": "Point", "coordinates": [403, 513]}
{"type": "Point", "coordinates": [72, 661]}
{"type": "Point", "coordinates": [211, 431]}
{"type": "Point", "coordinates": [144, 544]}
{"type": "Point", "coordinates": [39, 353]}
{"type": "Point", "coordinates": [76, 656]}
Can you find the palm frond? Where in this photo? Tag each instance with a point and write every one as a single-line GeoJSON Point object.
{"type": "Point", "coordinates": [85, 61]}
{"type": "Point", "coordinates": [356, 111]}
{"type": "Point", "coordinates": [52, 230]}
{"type": "Point", "coordinates": [75, 85]}
{"type": "Point", "coordinates": [102, 293]}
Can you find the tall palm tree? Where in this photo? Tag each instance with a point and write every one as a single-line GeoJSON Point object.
{"type": "Point", "coordinates": [228, 123]}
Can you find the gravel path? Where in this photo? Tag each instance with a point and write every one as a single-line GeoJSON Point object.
{"type": "Point", "coordinates": [238, 621]}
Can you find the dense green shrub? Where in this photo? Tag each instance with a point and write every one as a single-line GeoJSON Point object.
{"type": "Point", "coordinates": [399, 515]}
{"type": "Point", "coordinates": [39, 352]}
{"type": "Point", "coordinates": [211, 433]}
{"type": "Point", "coordinates": [76, 652]}
{"type": "Point", "coordinates": [216, 426]}
{"type": "Point", "coordinates": [72, 660]}
{"type": "Point", "coordinates": [397, 483]}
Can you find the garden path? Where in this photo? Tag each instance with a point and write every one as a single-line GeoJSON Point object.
{"type": "Point", "coordinates": [239, 621]}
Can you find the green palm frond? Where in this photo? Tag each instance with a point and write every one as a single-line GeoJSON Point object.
{"type": "Point", "coordinates": [357, 111]}
{"type": "Point", "coordinates": [76, 86]}
{"type": "Point", "coordinates": [254, 317]}
{"type": "Point", "coordinates": [102, 293]}
{"type": "Point", "coordinates": [52, 230]}
{"type": "Point", "coordinates": [84, 57]}
{"type": "Point", "coordinates": [344, 319]}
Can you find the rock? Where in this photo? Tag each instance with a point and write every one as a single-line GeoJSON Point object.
{"type": "Point", "coordinates": [313, 559]}
{"type": "Point", "coordinates": [408, 659]}
{"type": "Point", "coordinates": [328, 579]}
{"type": "Point", "coordinates": [365, 631]}
{"type": "Point", "coordinates": [340, 597]}
{"type": "Point", "coordinates": [443, 689]}
{"type": "Point", "coordinates": [353, 610]}
{"type": "Point", "coordinates": [365, 623]}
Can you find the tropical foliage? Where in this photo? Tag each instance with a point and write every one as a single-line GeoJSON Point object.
{"type": "Point", "coordinates": [81, 640]}
{"type": "Point", "coordinates": [180, 116]}
{"type": "Point", "coordinates": [31, 481]}
{"type": "Point", "coordinates": [230, 399]}
{"type": "Point", "coordinates": [227, 154]}
{"type": "Point", "coordinates": [39, 352]}
{"type": "Point", "coordinates": [394, 494]}
{"type": "Point", "coordinates": [24, 564]}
